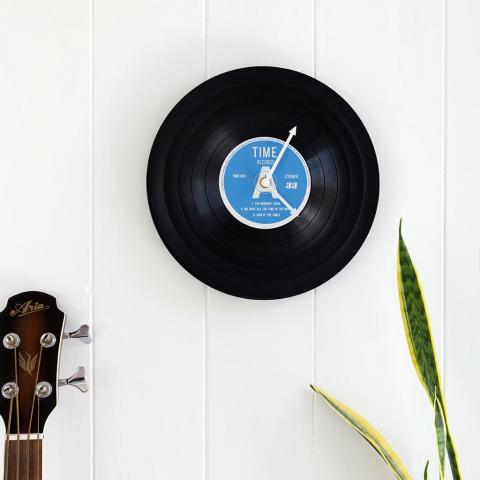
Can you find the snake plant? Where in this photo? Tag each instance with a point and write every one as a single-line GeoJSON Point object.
{"type": "Point", "coordinates": [422, 352]}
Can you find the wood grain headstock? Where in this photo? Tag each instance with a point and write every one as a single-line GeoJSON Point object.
{"type": "Point", "coordinates": [31, 334]}
{"type": "Point", "coordinates": [31, 337]}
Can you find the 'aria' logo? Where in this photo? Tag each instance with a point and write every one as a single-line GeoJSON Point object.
{"type": "Point", "coordinates": [27, 364]}
{"type": "Point", "coordinates": [22, 309]}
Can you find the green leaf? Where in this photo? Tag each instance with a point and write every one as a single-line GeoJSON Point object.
{"type": "Point", "coordinates": [425, 472]}
{"type": "Point", "coordinates": [416, 322]}
{"type": "Point", "coordinates": [420, 340]}
{"type": "Point", "coordinates": [441, 432]}
{"type": "Point", "coordinates": [369, 433]}
{"type": "Point", "coordinates": [452, 452]}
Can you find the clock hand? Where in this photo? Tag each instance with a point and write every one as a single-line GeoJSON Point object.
{"type": "Point", "coordinates": [291, 132]}
{"type": "Point", "coordinates": [277, 195]}
{"type": "Point", "coordinates": [292, 210]}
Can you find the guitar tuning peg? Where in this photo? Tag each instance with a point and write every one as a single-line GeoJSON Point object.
{"type": "Point", "coordinates": [82, 334]}
{"type": "Point", "coordinates": [77, 380]}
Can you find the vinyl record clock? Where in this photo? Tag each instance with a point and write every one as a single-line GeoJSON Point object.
{"type": "Point", "coordinates": [263, 182]}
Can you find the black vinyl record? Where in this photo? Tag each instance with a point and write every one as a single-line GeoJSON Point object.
{"type": "Point", "coordinates": [263, 182]}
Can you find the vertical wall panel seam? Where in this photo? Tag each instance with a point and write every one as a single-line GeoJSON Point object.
{"type": "Point", "coordinates": [91, 239]}
{"type": "Point", "coordinates": [443, 334]}
{"type": "Point", "coordinates": [204, 383]}
{"type": "Point", "coordinates": [205, 38]}
{"type": "Point", "coordinates": [314, 371]}
{"type": "Point", "coordinates": [314, 38]}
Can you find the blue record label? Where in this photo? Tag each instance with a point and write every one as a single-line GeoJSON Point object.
{"type": "Point", "coordinates": [265, 182]}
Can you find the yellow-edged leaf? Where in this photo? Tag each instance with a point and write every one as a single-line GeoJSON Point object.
{"type": "Point", "coordinates": [416, 322]}
{"type": "Point", "coordinates": [420, 340]}
{"type": "Point", "coordinates": [369, 433]}
{"type": "Point", "coordinates": [452, 451]}
{"type": "Point", "coordinates": [441, 432]}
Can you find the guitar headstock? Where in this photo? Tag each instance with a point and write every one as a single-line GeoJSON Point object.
{"type": "Point", "coordinates": [31, 336]}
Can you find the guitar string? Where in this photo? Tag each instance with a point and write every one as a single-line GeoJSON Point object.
{"type": "Point", "coordinates": [9, 426]}
{"type": "Point", "coordinates": [32, 410]}
{"type": "Point", "coordinates": [7, 442]}
{"type": "Point", "coordinates": [39, 476]}
{"type": "Point", "coordinates": [17, 405]}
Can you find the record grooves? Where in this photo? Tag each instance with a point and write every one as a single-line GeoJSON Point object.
{"type": "Point", "coordinates": [263, 182]}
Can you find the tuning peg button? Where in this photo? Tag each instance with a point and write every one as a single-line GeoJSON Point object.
{"type": "Point", "coordinates": [77, 380]}
{"type": "Point", "coordinates": [82, 334]}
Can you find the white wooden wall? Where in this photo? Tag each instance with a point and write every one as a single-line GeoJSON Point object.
{"type": "Point", "coordinates": [188, 383]}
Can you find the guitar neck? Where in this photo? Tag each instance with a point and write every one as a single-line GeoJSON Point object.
{"type": "Point", "coordinates": [23, 459]}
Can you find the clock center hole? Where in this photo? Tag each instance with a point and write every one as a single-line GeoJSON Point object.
{"type": "Point", "coordinates": [265, 182]}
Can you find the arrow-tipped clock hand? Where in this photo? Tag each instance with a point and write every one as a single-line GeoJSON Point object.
{"type": "Point", "coordinates": [277, 195]}
{"type": "Point", "coordinates": [291, 132]}
{"type": "Point", "coordinates": [292, 210]}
